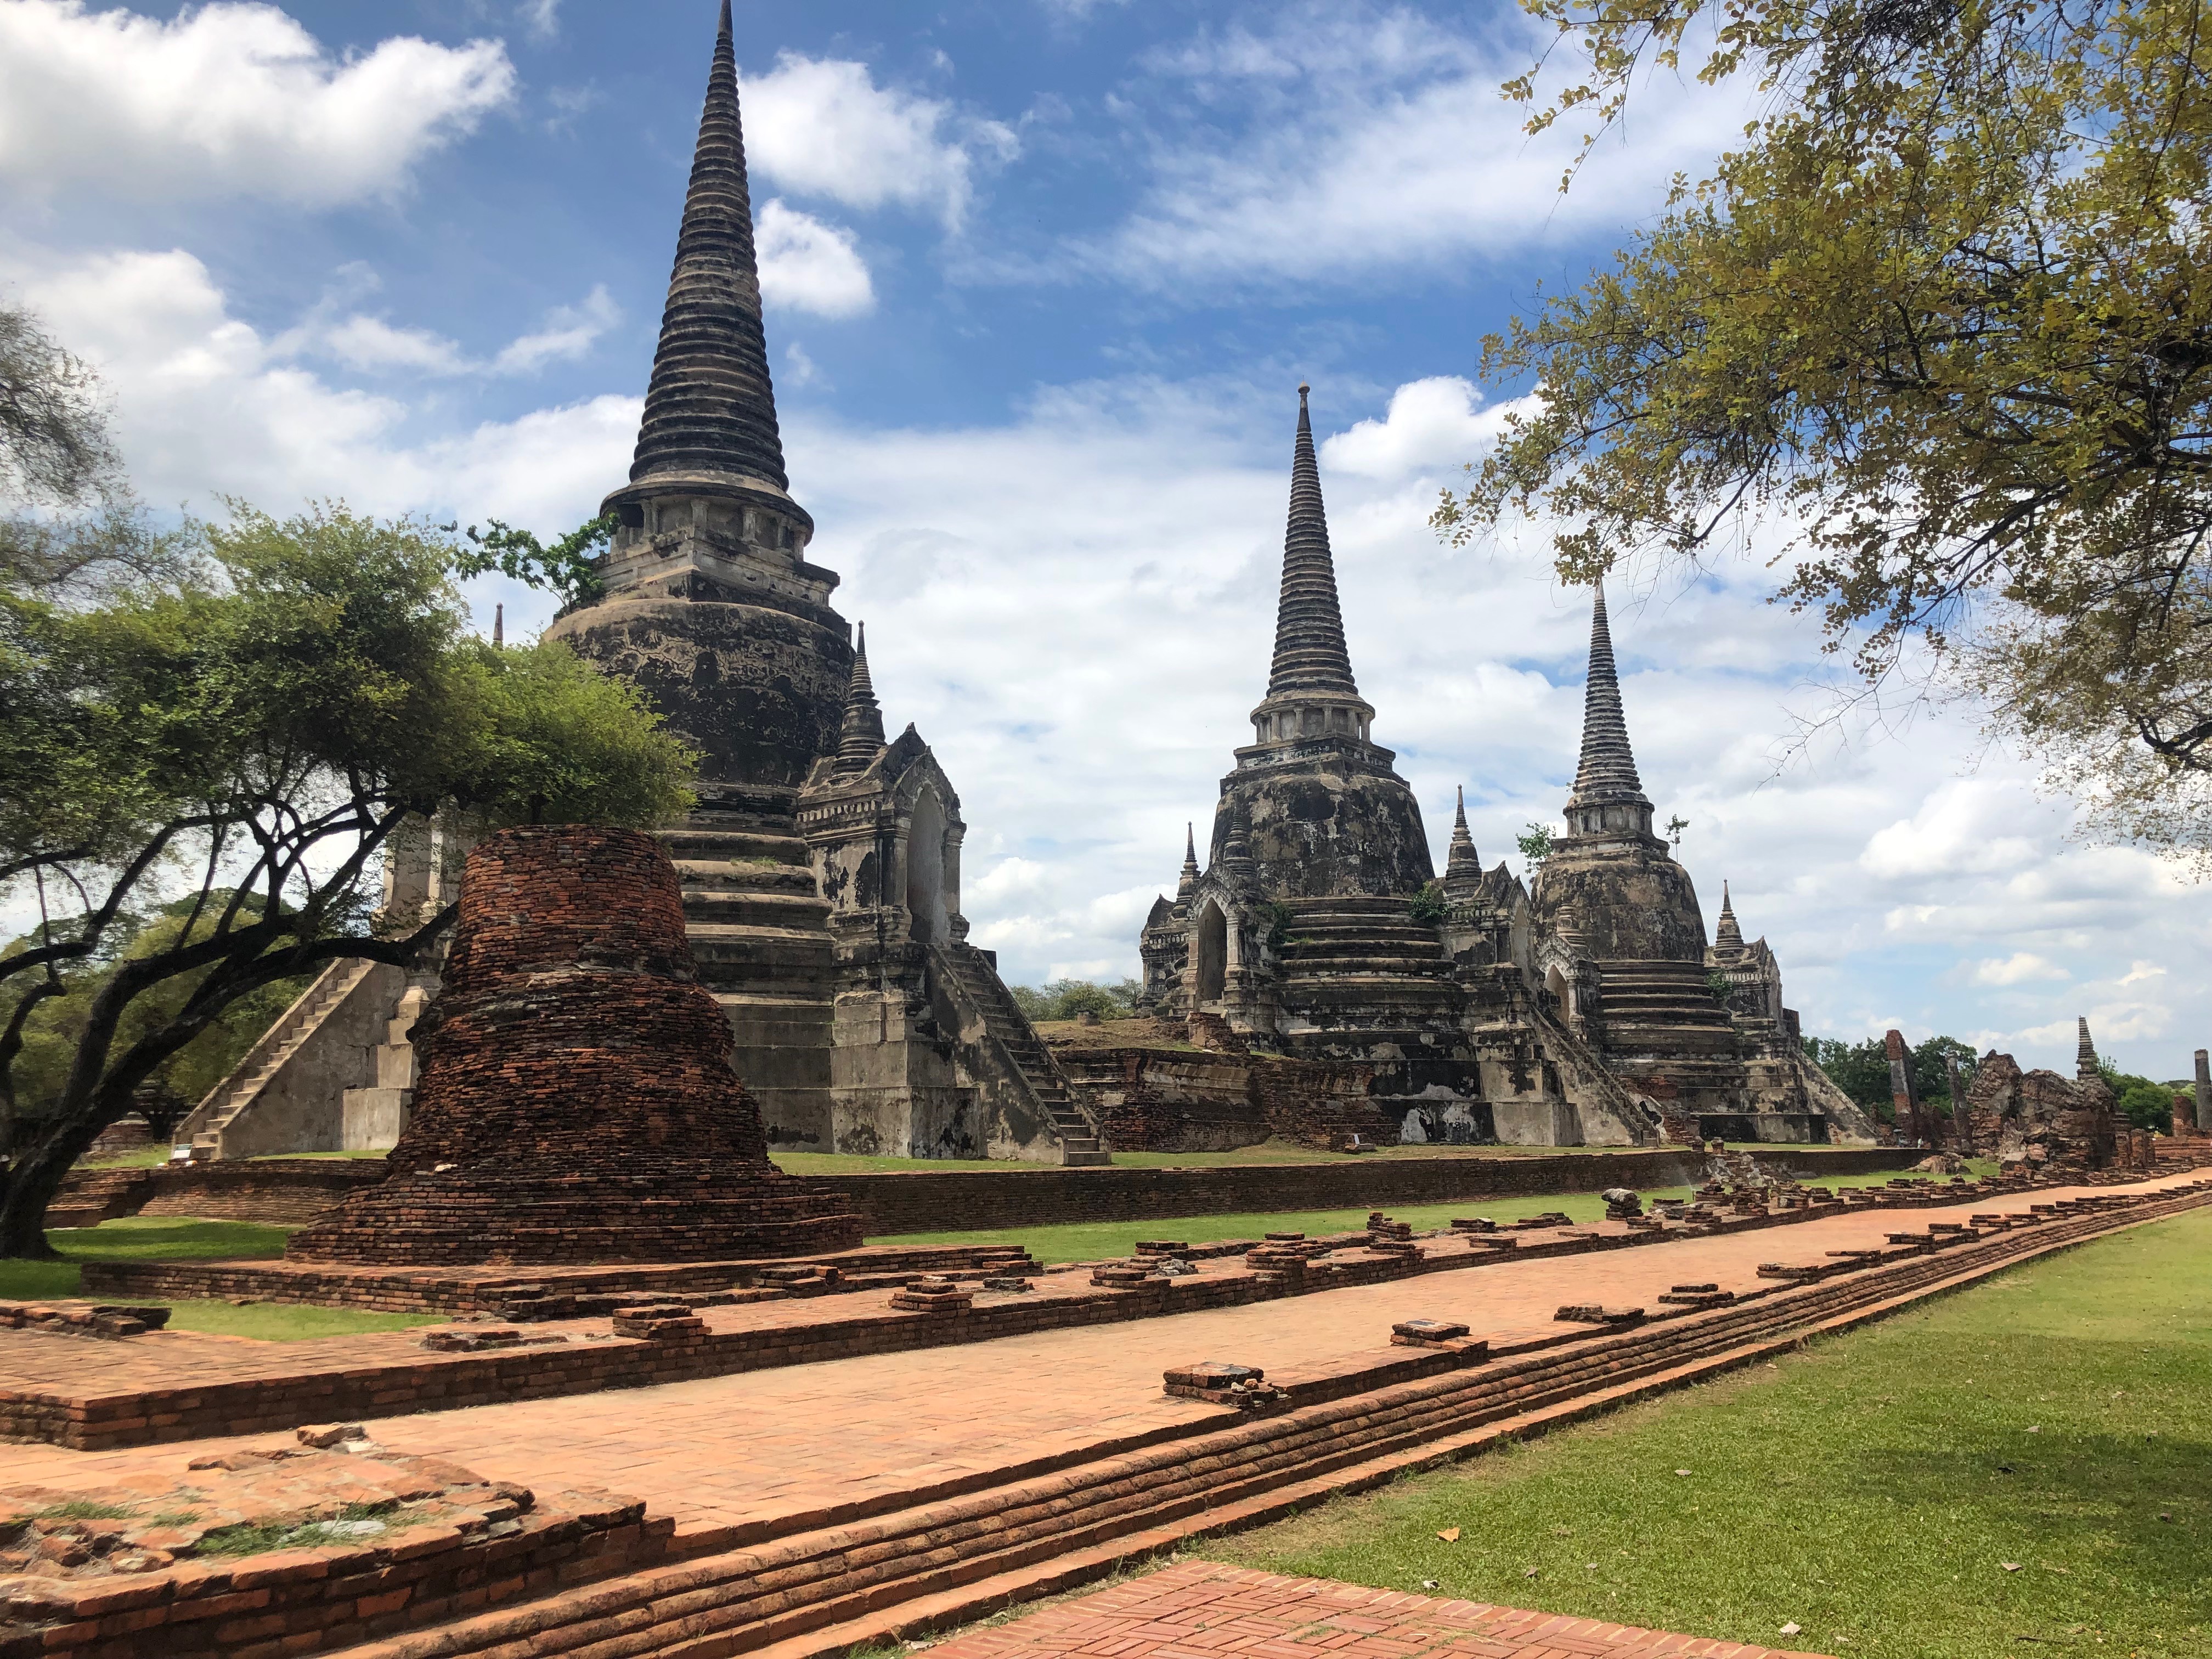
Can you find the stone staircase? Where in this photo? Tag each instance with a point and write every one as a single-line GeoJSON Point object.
{"type": "Point", "coordinates": [233, 1097]}
{"type": "Point", "coordinates": [760, 933]}
{"type": "Point", "coordinates": [1664, 1008]}
{"type": "Point", "coordinates": [979, 983]}
{"type": "Point", "coordinates": [1363, 960]}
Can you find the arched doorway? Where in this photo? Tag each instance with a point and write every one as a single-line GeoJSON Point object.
{"type": "Point", "coordinates": [925, 869]}
{"type": "Point", "coordinates": [1213, 953]}
{"type": "Point", "coordinates": [1562, 993]}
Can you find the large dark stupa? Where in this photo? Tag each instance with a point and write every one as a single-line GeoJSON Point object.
{"type": "Point", "coordinates": [576, 1102]}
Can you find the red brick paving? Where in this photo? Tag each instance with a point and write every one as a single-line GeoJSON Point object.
{"type": "Point", "coordinates": [764, 1449]}
{"type": "Point", "coordinates": [1200, 1609]}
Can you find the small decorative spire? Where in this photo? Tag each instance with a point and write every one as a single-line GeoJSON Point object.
{"type": "Point", "coordinates": [499, 624]}
{"type": "Point", "coordinates": [1462, 864]}
{"type": "Point", "coordinates": [1309, 649]}
{"type": "Point", "coordinates": [1237, 847]}
{"type": "Point", "coordinates": [1607, 772]}
{"type": "Point", "coordinates": [2085, 1058]}
{"type": "Point", "coordinates": [860, 739]}
{"type": "Point", "coordinates": [1188, 882]}
{"type": "Point", "coordinates": [1727, 935]}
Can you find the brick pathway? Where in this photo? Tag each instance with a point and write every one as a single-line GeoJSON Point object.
{"type": "Point", "coordinates": [764, 1450]}
{"type": "Point", "coordinates": [1200, 1610]}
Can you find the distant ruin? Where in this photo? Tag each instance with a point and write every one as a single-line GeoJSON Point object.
{"type": "Point", "coordinates": [1590, 1011]}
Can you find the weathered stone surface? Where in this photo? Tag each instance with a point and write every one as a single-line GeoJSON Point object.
{"type": "Point", "coordinates": [758, 689]}
{"type": "Point", "coordinates": [576, 1101]}
{"type": "Point", "coordinates": [1327, 818]}
{"type": "Point", "coordinates": [2039, 1120]}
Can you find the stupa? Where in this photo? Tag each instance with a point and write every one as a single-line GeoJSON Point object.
{"type": "Point", "coordinates": [576, 1102]}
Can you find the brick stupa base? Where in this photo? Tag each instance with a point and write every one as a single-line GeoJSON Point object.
{"type": "Point", "coordinates": [576, 1102]}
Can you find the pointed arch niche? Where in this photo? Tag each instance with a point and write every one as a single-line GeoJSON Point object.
{"type": "Point", "coordinates": [1213, 953]}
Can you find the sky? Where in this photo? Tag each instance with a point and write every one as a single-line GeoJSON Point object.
{"type": "Point", "coordinates": [1042, 278]}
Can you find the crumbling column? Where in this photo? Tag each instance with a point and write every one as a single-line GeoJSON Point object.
{"type": "Point", "coordinates": [1904, 1093]}
{"type": "Point", "coordinates": [1962, 1120]}
{"type": "Point", "coordinates": [2204, 1093]}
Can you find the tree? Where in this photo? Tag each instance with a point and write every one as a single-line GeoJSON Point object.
{"type": "Point", "coordinates": [74, 524]}
{"type": "Point", "coordinates": [1943, 324]}
{"type": "Point", "coordinates": [2142, 1103]}
{"type": "Point", "coordinates": [1070, 999]}
{"type": "Point", "coordinates": [1861, 1070]}
{"type": "Point", "coordinates": [54, 446]}
{"type": "Point", "coordinates": [569, 567]}
{"type": "Point", "coordinates": [1535, 845]}
{"type": "Point", "coordinates": [55, 1027]}
{"type": "Point", "coordinates": [253, 726]}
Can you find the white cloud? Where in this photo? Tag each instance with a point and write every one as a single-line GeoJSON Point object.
{"type": "Point", "coordinates": [800, 368]}
{"type": "Point", "coordinates": [569, 333]}
{"type": "Point", "coordinates": [2018, 968]}
{"type": "Point", "coordinates": [1957, 831]}
{"type": "Point", "coordinates": [1431, 423]}
{"type": "Point", "coordinates": [226, 99]}
{"type": "Point", "coordinates": [375, 346]}
{"type": "Point", "coordinates": [806, 264]}
{"type": "Point", "coordinates": [1345, 142]}
{"type": "Point", "coordinates": [823, 127]}
{"type": "Point", "coordinates": [541, 17]}
{"type": "Point", "coordinates": [205, 406]}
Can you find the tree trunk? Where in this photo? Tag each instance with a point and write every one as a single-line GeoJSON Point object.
{"type": "Point", "coordinates": [31, 1182]}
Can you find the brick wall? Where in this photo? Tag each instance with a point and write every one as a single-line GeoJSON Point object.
{"type": "Point", "coordinates": [963, 1199]}
{"type": "Point", "coordinates": [285, 1191]}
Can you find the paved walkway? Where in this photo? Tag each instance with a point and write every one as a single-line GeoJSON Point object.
{"type": "Point", "coordinates": [770, 1446]}
{"type": "Point", "coordinates": [1200, 1610]}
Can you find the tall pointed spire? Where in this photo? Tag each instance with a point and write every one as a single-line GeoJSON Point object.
{"type": "Point", "coordinates": [710, 407]}
{"type": "Point", "coordinates": [861, 737]}
{"type": "Point", "coordinates": [499, 624]}
{"type": "Point", "coordinates": [1309, 650]}
{"type": "Point", "coordinates": [1607, 771]}
{"type": "Point", "coordinates": [2084, 1057]}
{"type": "Point", "coordinates": [1727, 934]}
{"type": "Point", "coordinates": [1187, 883]}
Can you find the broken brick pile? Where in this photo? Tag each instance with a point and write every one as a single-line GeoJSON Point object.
{"type": "Point", "coordinates": [294, 1551]}
{"type": "Point", "coordinates": [97, 1319]}
{"type": "Point", "coordinates": [576, 1101]}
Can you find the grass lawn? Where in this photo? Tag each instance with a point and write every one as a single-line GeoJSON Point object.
{"type": "Point", "coordinates": [174, 1238]}
{"type": "Point", "coordinates": [1267, 1153]}
{"type": "Point", "coordinates": [139, 1157]}
{"type": "Point", "coordinates": [1871, 1490]}
{"type": "Point", "coordinates": [1093, 1241]}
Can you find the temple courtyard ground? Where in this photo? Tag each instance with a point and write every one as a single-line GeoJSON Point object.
{"type": "Point", "coordinates": [1869, 1489]}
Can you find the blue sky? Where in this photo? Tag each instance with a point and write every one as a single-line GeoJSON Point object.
{"type": "Point", "coordinates": [1042, 276]}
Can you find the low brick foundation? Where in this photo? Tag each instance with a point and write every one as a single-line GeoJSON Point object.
{"type": "Point", "coordinates": [304, 1601]}
{"type": "Point", "coordinates": [278, 1191]}
{"type": "Point", "coordinates": [964, 1199]}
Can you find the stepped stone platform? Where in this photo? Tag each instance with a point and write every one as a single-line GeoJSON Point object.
{"type": "Point", "coordinates": [1201, 1606]}
{"type": "Point", "coordinates": [802, 1512]}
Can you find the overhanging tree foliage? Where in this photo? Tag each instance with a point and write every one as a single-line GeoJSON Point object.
{"type": "Point", "coordinates": [1944, 321]}
{"type": "Point", "coordinates": [251, 729]}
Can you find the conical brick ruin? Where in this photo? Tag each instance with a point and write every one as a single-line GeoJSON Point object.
{"type": "Point", "coordinates": [577, 1102]}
